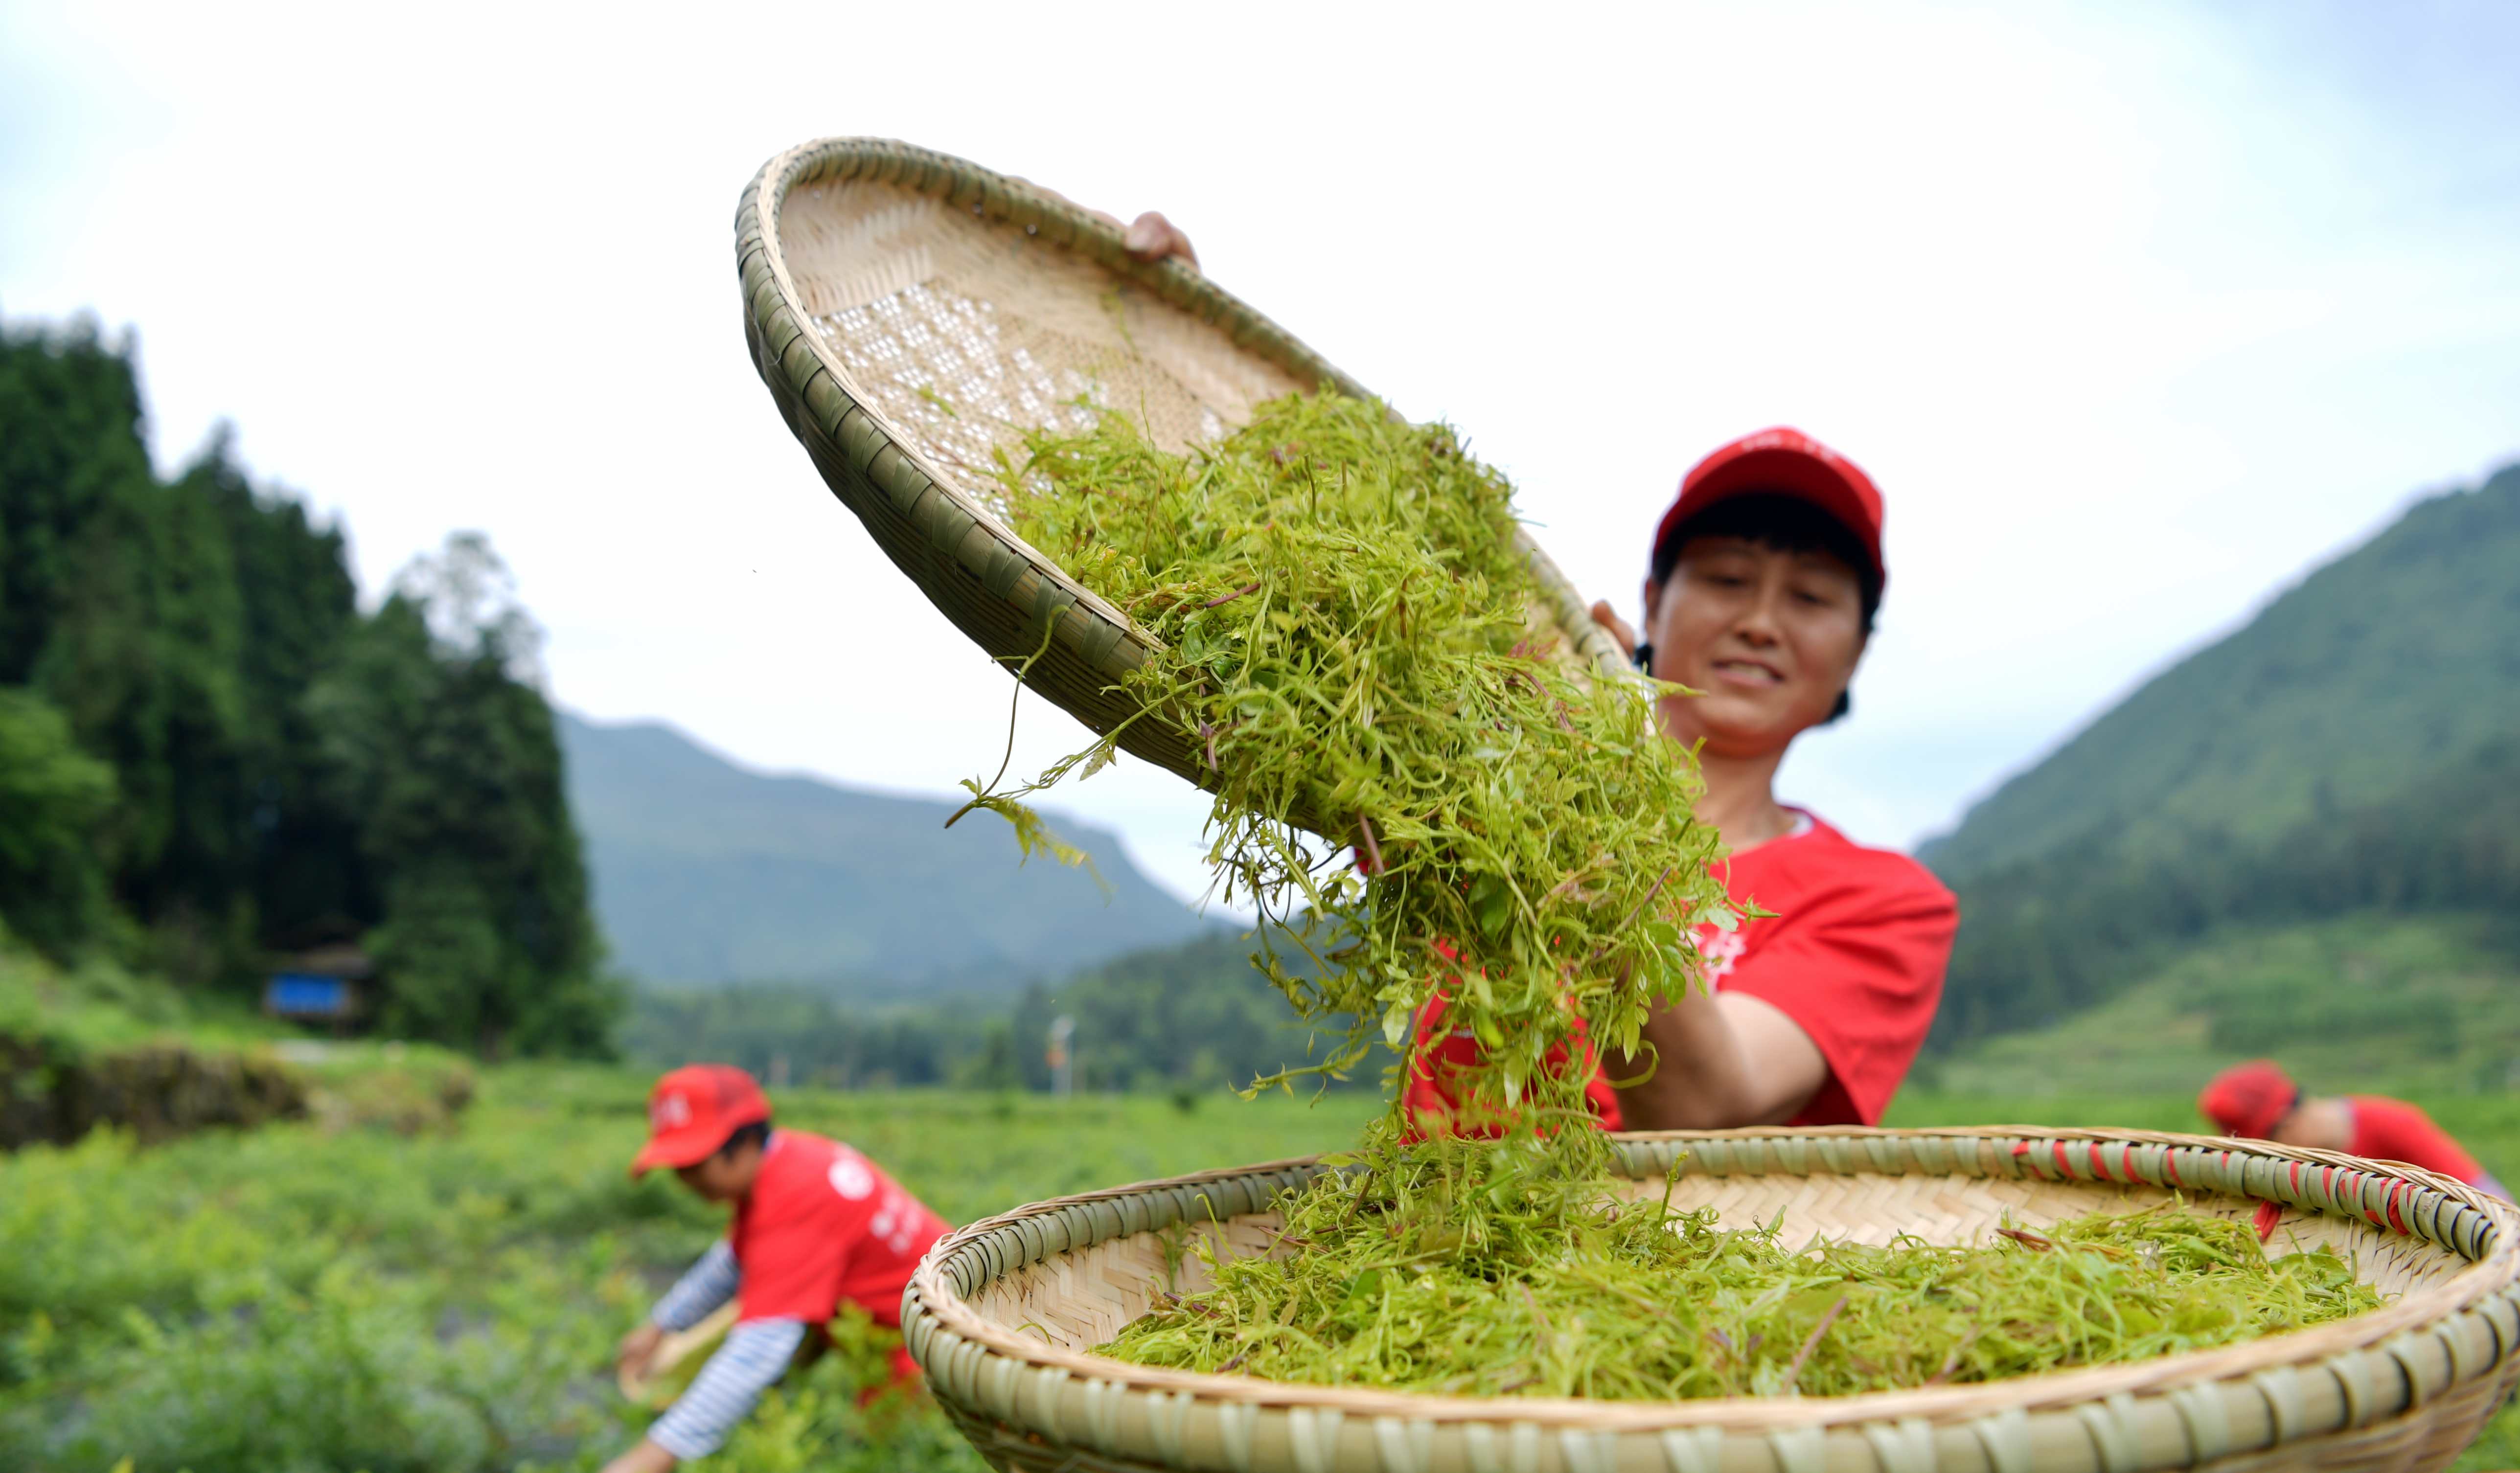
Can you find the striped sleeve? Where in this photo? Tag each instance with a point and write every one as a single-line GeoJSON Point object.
{"type": "Point", "coordinates": [703, 1286]}
{"type": "Point", "coordinates": [754, 1354]}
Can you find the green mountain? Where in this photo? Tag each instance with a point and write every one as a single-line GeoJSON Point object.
{"type": "Point", "coordinates": [2356, 748]}
{"type": "Point", "coordinates": [2400, 656]}
{"type": "Point", "coordinates": [707, 875]}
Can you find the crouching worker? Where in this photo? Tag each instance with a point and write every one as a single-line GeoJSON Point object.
{"type": "Point", "coordinates": [2259, 1100]}
{"type": "Point", "coordinates": [816, 1226]}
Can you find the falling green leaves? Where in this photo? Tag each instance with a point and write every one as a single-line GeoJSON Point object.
{"type": "Point", "coordinates": [1348, 641]}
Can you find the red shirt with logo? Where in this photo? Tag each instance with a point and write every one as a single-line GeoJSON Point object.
{"type": "Point", "coordinates": [824, 1226]}
{"type": "Point", "coordinates": [1854, 954]}
{"type": "Point", "coordinates": [2392, 1130]}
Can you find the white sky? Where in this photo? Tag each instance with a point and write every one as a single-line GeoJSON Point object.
{"type": "Point", "coordinates": [2133, 310]}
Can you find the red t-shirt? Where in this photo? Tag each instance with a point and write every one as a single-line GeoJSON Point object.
{"type": "Point", "coordinates": [822, 1226]}
{"type": "Point", "coordinates": [1854, 954]}
{"type": "Point", "coordinates": [2392, 1130]}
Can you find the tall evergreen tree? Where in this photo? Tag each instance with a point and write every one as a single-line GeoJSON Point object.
{"type": "Point", "coordinates": [441, 742]}
{"type": "Point", "coordinates": [144, 660]}
{"type": "Point", "coordinates": [70, 439]}
{"type": "Point", "coordinates": [212, 740]}
{"type": "Point", "coordinates": [51, 880]}
{"type": "Point", "coordinates": [301, 860]}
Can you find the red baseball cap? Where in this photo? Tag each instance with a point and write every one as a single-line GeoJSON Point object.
{"type": "Point", "coordinates": [693, 1110]}
{"type": "Point", "coordinates": [2249, 1099]}
{"type": "Point", "coordinates": [1790, 462]}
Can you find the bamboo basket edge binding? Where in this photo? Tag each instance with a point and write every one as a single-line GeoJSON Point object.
{"type": "Point", "coordinates": [2403, 1387]}
{"type": "Point", "coordinates": [1006, 596]}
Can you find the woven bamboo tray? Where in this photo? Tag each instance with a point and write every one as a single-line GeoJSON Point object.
{"type": "Point", "coordinates": [911, 312]}
{"type": "Point", "coordinates": [1003, 1314]}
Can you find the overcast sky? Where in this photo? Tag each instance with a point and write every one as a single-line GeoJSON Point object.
{"type": "Point", "coordinates": [2133, 311]}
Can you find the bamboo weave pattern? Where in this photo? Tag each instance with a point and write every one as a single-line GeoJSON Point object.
{"type": "Point", "coordinates": [911, 312]}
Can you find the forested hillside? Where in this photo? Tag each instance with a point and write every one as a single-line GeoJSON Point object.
{"type": "Point", "coordinates": [2356, 748]}
{"type": "Point", "coordinates": [208, 754]}
{"type": "Point", "coordinates": [2396, 659]}
{"type": "Point", "coordinates": [708, 874]}
{"type": "Point", "coordinates": [1196, 1017]}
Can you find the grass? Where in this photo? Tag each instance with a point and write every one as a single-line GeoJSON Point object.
{"type": "Point", "coordinates": [99, 1006]}
{"type": "Point", "coordinates": [302, 1298]}
{"type": "Point", "coordinates": [305, 1298]}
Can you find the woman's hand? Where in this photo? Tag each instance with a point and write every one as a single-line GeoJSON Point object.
{"type": "Point", "coordinates": [1609, 618]}
{"type": "Point", "coordinates": [637, 1349]}
{"type": "Point", "coordinates": [1152, 238]}
{"type": "Point", "coordinates": [1149, 238]}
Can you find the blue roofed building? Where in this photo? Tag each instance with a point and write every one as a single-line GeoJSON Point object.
{"type": "Point", "coordinates": [319, 986]}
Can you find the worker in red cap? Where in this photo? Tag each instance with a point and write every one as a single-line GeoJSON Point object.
{"type": "Point", "coordinates": [816, 1226]}
{"type": "Point", "coordinates": [1763, 581]}
{"type": "Point", "coordinates": [2258, 1100]}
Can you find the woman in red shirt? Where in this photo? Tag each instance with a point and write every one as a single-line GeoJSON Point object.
{"type": "Point", "coordinates": [2259, 1100]}
{"type": "Point", "coordinates": [1764, 579]}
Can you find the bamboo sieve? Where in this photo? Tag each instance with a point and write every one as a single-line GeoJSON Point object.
{"type": "Point", "coordinates": [1003, 1316]}
{"type": "Point", "coordinates": [911, 312]}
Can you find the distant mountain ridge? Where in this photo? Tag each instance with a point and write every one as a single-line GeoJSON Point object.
{"type": "Point", "coordinates": [706, 874]}
{"type": "Point", "coordinates": [2354, 748]}
{"type": "Point", "coordinates": [2397, 657]}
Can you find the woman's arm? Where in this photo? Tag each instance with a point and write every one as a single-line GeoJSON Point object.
{"type": "Point", "coordinates": [754, 1354]}
{"type": "Point", "coordinates": [706, 1284]}
{"type": "Point", "coordinates": [703, 1286]}
{"type": "Point", "coordinates": [1716, 1061]}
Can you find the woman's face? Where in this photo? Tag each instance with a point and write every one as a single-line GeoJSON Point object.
{"type": "Point", "coordinates": [1769, 639]}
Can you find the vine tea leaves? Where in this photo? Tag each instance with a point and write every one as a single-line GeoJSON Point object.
{"type": "Point", "coordinates": [1348, 641]}
{"type": "Point", "coordinates": [1478, 1269]}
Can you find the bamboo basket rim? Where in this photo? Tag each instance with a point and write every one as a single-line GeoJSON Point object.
{"type": "Point", "coordinates": [818, 393]}
{"type": "Point", "coordinates": [2495, 1269]}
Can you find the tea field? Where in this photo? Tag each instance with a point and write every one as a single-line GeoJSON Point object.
{"type": "Point", "coordinates": [325, 1297]}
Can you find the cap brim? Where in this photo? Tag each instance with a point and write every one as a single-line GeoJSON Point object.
{"type": "Point", "coordinates": [673, 1148]}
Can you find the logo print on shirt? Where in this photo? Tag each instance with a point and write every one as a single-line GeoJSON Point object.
{"type": "Point", "coordinates": [1719, 949]}
{"type": "Point", "coordinates": [671, 1111]}
{"type": "Point", "coordinates": [851, 1179]}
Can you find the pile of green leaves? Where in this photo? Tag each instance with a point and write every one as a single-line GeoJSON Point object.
{"type": "Point", "coordinates": [1480, 1268]}
{"type": "Point", "coordinates": [1348, 642]}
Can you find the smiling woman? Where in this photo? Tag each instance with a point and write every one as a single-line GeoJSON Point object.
{"type": "Point", "coordinates": [1763, 581]}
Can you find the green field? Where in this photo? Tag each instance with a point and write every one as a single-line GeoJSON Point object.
{"type": "Point", "coordinates": [301, 1299]}
{"type": "Point", "coordinates": [305, 1298]}
{"type": "Point", "coordinates": [2369, 1003]}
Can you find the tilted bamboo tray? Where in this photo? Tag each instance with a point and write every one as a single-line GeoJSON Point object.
{"type": "Point", "coordinates": [911, 311]}
{"type": "Point", "coordinates": [1004, 1313]}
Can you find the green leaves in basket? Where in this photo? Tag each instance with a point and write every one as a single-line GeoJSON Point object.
{"type": "Point", "coordinates": [1477, 1268]}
